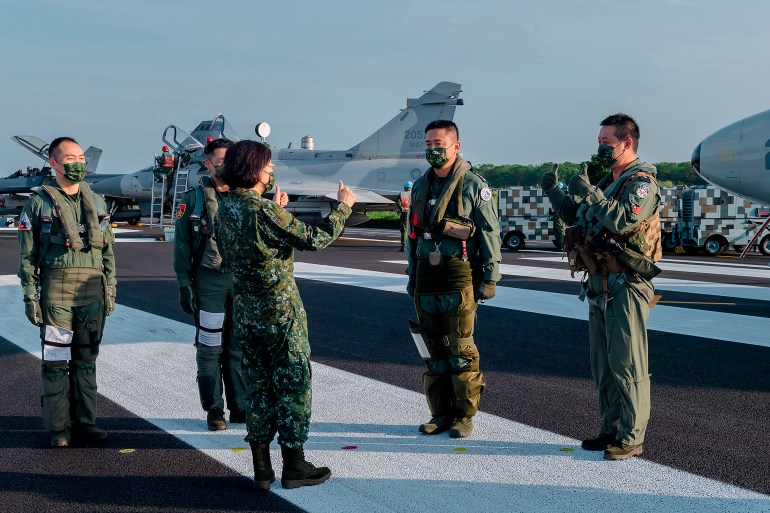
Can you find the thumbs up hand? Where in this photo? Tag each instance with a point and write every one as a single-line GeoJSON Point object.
{"type": "Point", "coordinates": [345, 195]}
{"type": "Point", "coordinates": [280, 197]}
{"type": "Point", "coordinates": [549, 181]}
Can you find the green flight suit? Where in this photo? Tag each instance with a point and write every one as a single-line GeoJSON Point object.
{"type": "Point", "coordinates": [444, 297]}
{"type": "Point", "coordinates": [618, 335]}
{"type": "Point", "coordinates": [71, 276]}
{"type": "Point", "coordinates": [197, 263]}
{"type": "Point", "coordinates": [257, 238]}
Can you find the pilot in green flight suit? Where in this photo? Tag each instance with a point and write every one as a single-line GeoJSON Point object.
{"type": "Point", "coordinates": [67, 273]}
{"type": "Point", "coordinates": [617, 223]}
{"type": "Point", "coordinates": [206, 291]}
{"type": "Point", "coordinates": [453, 255]}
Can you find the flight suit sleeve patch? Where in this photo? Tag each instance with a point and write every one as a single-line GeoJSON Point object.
{"type": "Point", "coordinates": [486, 194]}
{"type": "Point", "coordinates": [180, 209]}
{"type": "Point", "coordinates": [24, 223]}
{"type": "Point", "coordinates": [642, 190]}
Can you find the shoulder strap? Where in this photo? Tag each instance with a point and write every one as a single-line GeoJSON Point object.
{"type": "Point", "coordinates": [67, 220]}
{"type": "Point", "coordinates": [199, 203]}
{"type": "Point", "coordinates": [438, 213]}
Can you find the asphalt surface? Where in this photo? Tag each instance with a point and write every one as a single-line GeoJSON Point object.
{"type": "Point", "coordinates": [710, 398]}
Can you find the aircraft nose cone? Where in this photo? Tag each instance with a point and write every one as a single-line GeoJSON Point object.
{"type": "Point", "coordinates": [695, 160]}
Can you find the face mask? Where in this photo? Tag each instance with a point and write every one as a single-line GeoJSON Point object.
{"type": "Point", "coordinates": [436, 157]}
{"type": "Point", "coordinates": [270, 182]}
{"type": "Point", "coordinates": [75, 171]}
{"type": "Point", "coordinates": [604, 156]}
{"type": "Point", "coordinates": [218, 170]}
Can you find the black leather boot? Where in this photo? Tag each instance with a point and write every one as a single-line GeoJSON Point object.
{"type": "Point", "coordinates": [299, 472]}
{"type": "Point", "coordinates": [263, 470]}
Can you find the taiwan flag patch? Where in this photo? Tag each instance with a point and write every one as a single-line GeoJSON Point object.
{"type": "Point", "coordinates": [636, 209]}
{"type": "Point", "coordinates": [180, 210]}
{"type": "Point", "coordinates": [24, 224]}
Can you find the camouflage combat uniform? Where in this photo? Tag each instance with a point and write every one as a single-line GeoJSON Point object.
{"type": "Point", "coordinates": [445, 294]}
{"type": "Point", "coordinates": [404, 200]}
{"type": "Point", "coordinates": [197, 263]}
{"type": "Point", "coordinates": [257, 239]}
{"type": "Point", "coordinates": [72, 276]}
{"type": "Point", "coordinates": [618, 333]}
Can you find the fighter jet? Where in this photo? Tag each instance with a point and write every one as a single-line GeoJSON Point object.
{"type": "Point", "coordinates": [20, 184]}
{"type": "Point", "coordinates": [737, 158]}
{"type": "Point", "coordinates": [375, 168]}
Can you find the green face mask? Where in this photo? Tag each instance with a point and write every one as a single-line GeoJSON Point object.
{"type": "Point", "coordinates": [218, 170]}
{"type": "Point", "coordinates": [270, 183]}
{"type": "Point", "coordinates": [75, 171]}
{"type": "Point", "coordinates": [436, 157]}
{"type": "Point", "coordinates": [604, 155]}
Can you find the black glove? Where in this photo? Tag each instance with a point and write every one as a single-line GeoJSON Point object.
{"type": "Point", "coordinates": [32, 310]}
{"type": "Point", "coordinates": [187, 300]}
{"type": "Point", "coordinates": [410, 286]}
{"type": "Point", "coordinates": [110, 305]}
{"type": "Point", "coordinates": [549, 181]}
{"type": "Point", "coordinates": [486, 290]}
{"type": "Point", "coordinates": [580, 186]}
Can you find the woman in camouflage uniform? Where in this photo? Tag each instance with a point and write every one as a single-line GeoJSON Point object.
{"type": "Point", "coordinates": [257, 238]}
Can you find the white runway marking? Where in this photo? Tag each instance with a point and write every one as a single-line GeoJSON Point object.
{"type": "Point", "coordinates": [721, 290]}
{"type": "Point", "coordinates": [147, 365]}
{"type": "Point", "coordinates": [744, 329]}
{"type": "Point", "coordinates": [753, 271]}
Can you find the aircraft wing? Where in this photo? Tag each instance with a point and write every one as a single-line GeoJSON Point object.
{"type": "Point", "coordinates": [328, 190]}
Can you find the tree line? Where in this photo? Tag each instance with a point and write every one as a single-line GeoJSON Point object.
{"type": "Point", "coordinates": [670, 174]}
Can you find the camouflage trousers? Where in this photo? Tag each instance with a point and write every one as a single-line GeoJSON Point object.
{"type": "Point", "coordinates": [403, 227]}
{"type": "Point", "coordinates": [619, 361]}
{"type": "Point", "coordinates": [452, 382]}
{"type": "Point", "coordinates": [276, 367]}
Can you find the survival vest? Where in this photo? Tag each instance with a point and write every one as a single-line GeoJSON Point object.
{"type": "Point", "coordinates": [636, 250]}
{"type": "Point", "coordinates": [71, 235]}
{"type": "Point", "coordinates": [205, 251]}
{"type": "Point", "coordinates": [405, 200]}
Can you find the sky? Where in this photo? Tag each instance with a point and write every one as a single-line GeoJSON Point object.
{"type": "Point", "coordinates": [537, 76]}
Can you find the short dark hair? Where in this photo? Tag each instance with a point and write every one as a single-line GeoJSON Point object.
{"type": "Point", "coordinates": [625, 127]}
{"type": "Point", "coordinates": [57, 142]}
{"type": "Point", "coordinates": [214, 145]}
{"type": "Point", "coordinates": [446, 124]}
{"type": "Point", "coordinates": [243, 162]}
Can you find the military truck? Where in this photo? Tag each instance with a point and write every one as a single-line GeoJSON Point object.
{"type": "Point", "coordinates": [695, 219]}
{"type": "Point", "coordinates": [710, 219]}
{"type": "Point", "coordinates": [524, 216]}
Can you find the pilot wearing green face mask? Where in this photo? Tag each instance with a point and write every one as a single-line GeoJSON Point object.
{"type": "Point", "coordinates": [206, 293]}
{"type": "Point", "coordinates": [67, 273]}
{"type": "Point", "coordinates": [614, 238]}
{"type": "Point", "coordinates": [453, 255]}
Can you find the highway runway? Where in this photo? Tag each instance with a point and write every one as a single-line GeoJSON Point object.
{"type": "Point", "coordinates": [705, 448]}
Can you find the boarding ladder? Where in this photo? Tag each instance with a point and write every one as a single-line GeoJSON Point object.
{"type": "Point", "coordinates": [180, 185]}
{"type": "Point", "coordinates": [157, 199]}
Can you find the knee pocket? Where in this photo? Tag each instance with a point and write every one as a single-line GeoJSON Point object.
{"type": "Point", "coordinates": [54, 373]}
{"type": "Point", "coordinates": [295, 374]}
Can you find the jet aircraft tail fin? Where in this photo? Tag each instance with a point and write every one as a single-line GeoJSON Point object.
{"type": "Point", "coordinates": [404, 135]}
{"type": "Point", "coordinates": [92, 159]}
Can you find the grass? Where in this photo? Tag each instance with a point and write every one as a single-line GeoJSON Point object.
{"type": "Point", "coordinates": [382, 220]}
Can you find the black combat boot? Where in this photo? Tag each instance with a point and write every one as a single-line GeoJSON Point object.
{"type": "Point", "coordinates": [263, 470]}
{"type": "Point", "coordinates": [299, 472]}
